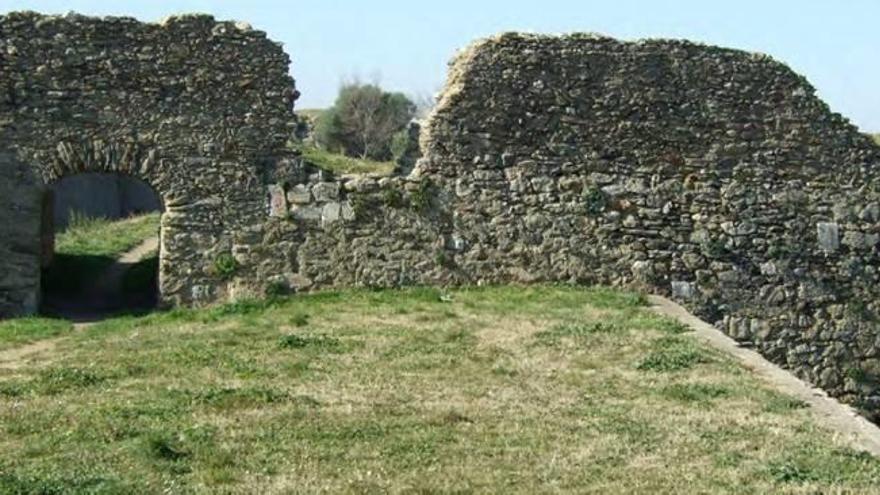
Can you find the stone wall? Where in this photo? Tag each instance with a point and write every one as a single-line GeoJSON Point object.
{"type": "Point", "coordinates": [711, 175]}
{"type": "Point", "coordinates": [196, 108]}
{"type": "Point", "coordinates": [20, 243]}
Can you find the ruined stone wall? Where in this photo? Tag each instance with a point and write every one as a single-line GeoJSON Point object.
{"type": "Point", "coordinates": [357, 230]}
{"type": "Point", "coordinates": [713, 175]}
{"type": "Point", "coordinates": [196, 108]}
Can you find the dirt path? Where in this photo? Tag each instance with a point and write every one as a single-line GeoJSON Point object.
{"type": "Point", "coordinates": [13, 359]}
{"type": "Point", "coordinates": [106, 289]}
{"type": "Point", "coordinates": [851, 427]}
{"type": "Point", "coordinates": [109, 284]}
{"type": "Point", "coordinates": [104, 296]}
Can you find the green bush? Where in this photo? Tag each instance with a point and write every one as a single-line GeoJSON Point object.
{"type": "Point", "coordinates": [363, 121]}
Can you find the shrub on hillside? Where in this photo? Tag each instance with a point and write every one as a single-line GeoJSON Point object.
{"type": "Point", "coordinates": [363, 121]}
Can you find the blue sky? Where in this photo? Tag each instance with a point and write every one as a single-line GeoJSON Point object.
{"type": "Point", "coordinates": [406, 44]}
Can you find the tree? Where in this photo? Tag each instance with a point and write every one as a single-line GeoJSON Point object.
{"type": "Point", "coordinates": [363, 121]}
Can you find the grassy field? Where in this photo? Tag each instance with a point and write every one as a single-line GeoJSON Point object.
{"type": "Point", "coordinates": [16, 333]}
{"type": "Point", "coordinates": [341, 164]}
{"type": "Point", "coordinates": [90, 245]}
{"type": "Point", "coordinates": [877, 138]}
{"type": "Point", "coordinates": [502, 390]}
{"type": "Point", "coordinates": [103, 237]}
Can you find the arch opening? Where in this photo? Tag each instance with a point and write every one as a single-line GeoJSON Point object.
{"type": "Point", "coordinates": [100, 246]}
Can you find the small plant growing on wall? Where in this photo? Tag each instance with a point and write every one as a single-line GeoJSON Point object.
{"type": "Point", "coordinates": [778, 251]}
{"type": "Point", "coordinates": [277, 288]}
{"type": "Point", "coordinates": [360, 205]}
{"type": "Point", "coordinates": [392, 198]}
{"type": "Point", "coordinates": [713, 248]}
{"type": "Point", "coordinates": [225, 266]}
{"type": "Point", "coordinates": [860, 310]}
{"type": "Point", "coordinates": [858, 374]}
{"type": "Point", "coordinates": [420, 199]}
{"type": "Point", "coordinates": [595, 200]}
{"type": "Point", "coordinates": [443, 259]}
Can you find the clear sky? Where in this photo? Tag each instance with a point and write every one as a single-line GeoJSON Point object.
{"type": "Point", "coordinates": [406, 44]}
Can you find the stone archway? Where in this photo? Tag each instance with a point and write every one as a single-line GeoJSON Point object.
{"type": "Point", "coordinates": [102, 258]}
{"type": "Point", "coordinates": [29, 233]}
{"type": "Point", "coordinates": [154, 101]}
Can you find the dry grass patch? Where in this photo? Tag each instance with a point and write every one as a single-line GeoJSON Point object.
{"type": "Point", "coordinates": [481, 390]}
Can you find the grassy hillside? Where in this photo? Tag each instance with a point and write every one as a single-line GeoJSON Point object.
{"type": "Point", "coordinates": [335, 162]}
{"type": "Point", "coordinates": [103, 237]}
{"type": "Point", "coordinates": [877, 138]}
{"type": "Point", "coordinates": [341, 164]}
{"type": "Point", "coordinates": [500, 390]}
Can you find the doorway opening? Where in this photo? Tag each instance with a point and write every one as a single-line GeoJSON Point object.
{"type": "Point", "coordinates": [101, 241]}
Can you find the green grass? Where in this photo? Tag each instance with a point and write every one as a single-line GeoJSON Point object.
{"type": "Point", "coordinates": [22, 331]}
{"type": "Point", "coordinates": [90, 245]}
{"type": "Point", "coordinates": [497, 389]}
{"type": "Point", "coordinates": [876, 138]}
{"type": "Point", "coordinates": [341, 164]}
{"type": "Point", "coordinates": [103, 237]}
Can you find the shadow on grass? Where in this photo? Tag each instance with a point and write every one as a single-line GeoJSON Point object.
{"type": "Point", "coordinates": [69, 275]}
{"type": "Point", "coordinates": [86, 288]}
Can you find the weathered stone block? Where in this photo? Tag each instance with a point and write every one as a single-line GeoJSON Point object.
{"type": "Point", "coordinates": [737, 229]}
{"type": "Point", "coordinates": [870, 213]}
{"type": "Point", "coordinates": [277, 201]}
{"type": "Point", "coordinates": [684, 290]}
{"type": "Point", "coordinates": [829, 236]}
{"type": "Point", "coordinates": [330, 213]}
{"type": "Point", "coordinates": [326, 191]}
{"type": "Point", "coordinates": [347, 211]}
{"type": "Point", "coordinates": [860, 240]}
{"type": "Point", "coordinates": [306, 212]}
{"type": "Point", "coordinates": [769, 269]}
{"type": "Point", "coordinates": [642, 271]}
{"type": "Point", "coordinates": [299, 195]}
